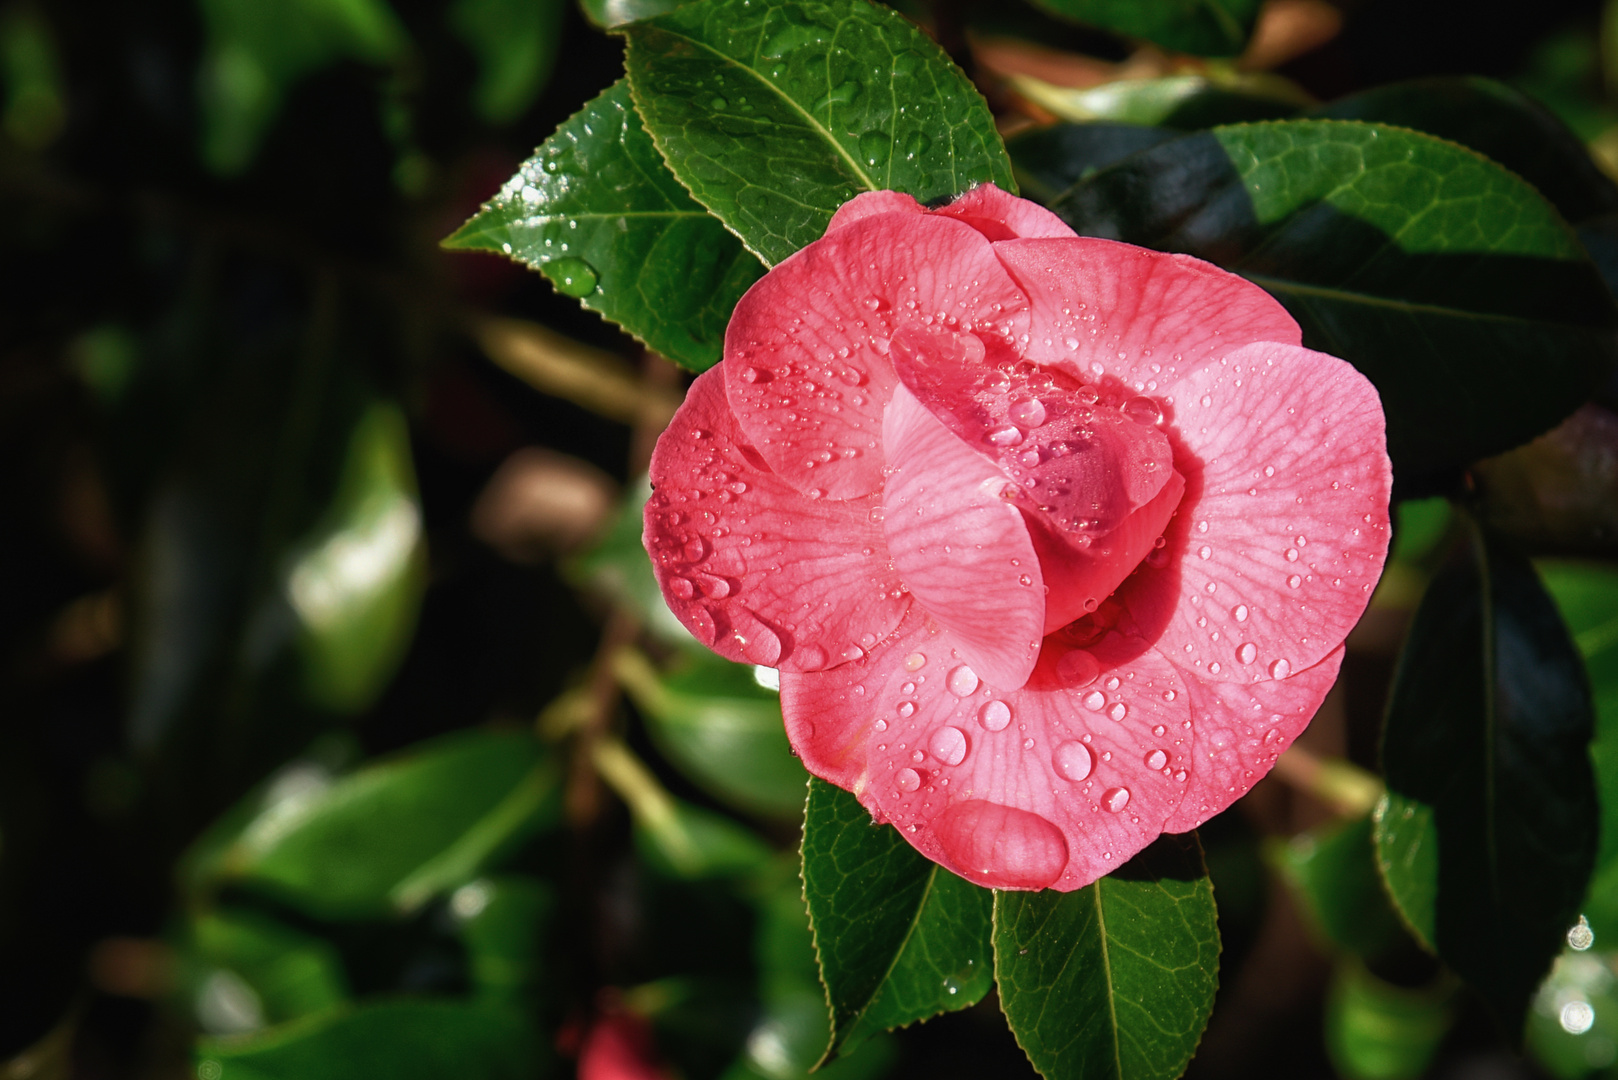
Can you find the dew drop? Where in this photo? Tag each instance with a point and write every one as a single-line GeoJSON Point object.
{"type": "Point", "coordinates": [1143, 410]}
{"type": "Point", "coordinates": [1160, 731]}
{"type": "Point", "coordinates": [1115, 799]}
{"type": "Point", "coordinates": [1169, 695]}
{"type": "Point", "coordinates": [906, 708]}
{"type": "Point", "coordinates": [1292, 554]}
{"type": "Point", "coordinates": [915, 661]}
{"type": "Point", "coordinates": [1247, 652]}
{"type": "Point", "coordinates": [1118, 711]}
{"type": "Point", "coordinates": [1095, 700]}
{"type": "Point", "coordinates": [682, 588]}
{"type": "Point", "coordinates": [572, 277]}
{"type": "Point", "coordinates": [1156, 760]}
{"type": "Point", "coordinates": [880, 725]}
{"type": "Point", "coordinates": [1214, 668]}
{"type": "Point", "coordinates": [907, 779]}
{"type": "Point", "coordinates": [1239, 612]}
{"type": "Point", "coordinates": [1205, 552]}
{"type": "Point", "coordinates": [1073, 761]}
{"type": "Point", "coordinates": [1280, 669]}
{"type": "Point", "coordinates": [995, 716]}
{"type": "Point", "coordinates": [1030, 413]}
{"type": "Point", "coordinates": [1294, 581]}
{"type": "Point", "coordinates": [1005, 435]}
{"type": "Point", "coordinates": [1077, 668]}
{"type": "Point", "coordinates": [948, 745]}
{"type": "Point", "coordinates": [962, 681]}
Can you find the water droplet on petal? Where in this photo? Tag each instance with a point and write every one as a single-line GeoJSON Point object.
{"type": "Point", "coordinates": [948, 745]}
{"type": "Point", "coordinates": [1000, 847]}
{"type": "Point", "coordinates": [682, 588]}
{"type": "Point", "coordinates": [1030, 413]}
{"type": "Point", "coordinates": [1205, 552]}
{"type": "Point", "coordinates": [1239, 613]}
{"type": "Point", "coordinates": [1280, 669]}
{"type": "Point", "coordinates": [1006, 435]}
{"type": "Point", "coordinates": [962, 681]}
{"type": "Point", "coordinates": [995, 716]}
{"type": "Point", "coordinates": [906, 708]}
{"type": "Point", "coordinates": [1294, 581]}
{"type": "Point", "coordinates": [907, 779]}
{"type": "Point", "coordinates": [1247, 652]}
{"type": "Point", "coordinates": [1118, 711]}
{"type": "Point", "coordinates": [1115, 799]}
{"type": "Point", "coordinates": [1095, 700]}
{"type": "Point", "coordinates": [1073, 761]}
{"type": "Point", "coordinates": [1156, 760]}
{"type": "Point", "coordinates": [915, 661]}
{"type": "Point", "coordinates": [1160, 731]}
{"type": "Point", "coordinates": [1077, 668]}
{"type": "Point", "coordinates": [1143, 410]}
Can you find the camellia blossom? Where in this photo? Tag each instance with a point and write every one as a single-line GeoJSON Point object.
{"type": "Point", "coordinates": [1054, 540]}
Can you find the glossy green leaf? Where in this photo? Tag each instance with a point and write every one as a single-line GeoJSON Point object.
{"type": "Point", "coordinates": [619, 567]}
{"type": "Point", "coordinates": [1114, 981]}
{"type": "Point", "coordinates": [400, 831]}
{"type": "Point", "coordinates": [1436, 272]}
{"type": "Point", "coordinates": [723, 730]}
{"type": "Point", "coordinates": [257, 51]}
{"type": "Point", "coordinates": [899, 938]}
{"type": "Point", "coordinates": [245, 970]}
{"type": "Point", "coordinates": [402, 1040]}
{"type": "Point", "coordinates": [774, 115]}
{"type": "Point", "coordinates": [515, 44]}
{"type": "Point", "coordinates": [1487, 834]}
{"type": "Point", "coordinates": [1204, 27]}
{"type": "Point", "coordinates": [1378, 1031]}
{"type": "Point", "coordinates": [355, 581]}
{"type": "Point", "coordinates": [597, 212]}
{"type": "Point", "coordinates": [503, 920]}
{"type": "Point", "coordinates": [1573, 1025]}
{"type": "Point", "coordinates": [1498, 122]}
{"type": "Point", "coordinates": [1048, 161]}
{"type": "Point", "coordinates": [1333, 871]}
{"type": "Point", "coordinates": [1186, 102]}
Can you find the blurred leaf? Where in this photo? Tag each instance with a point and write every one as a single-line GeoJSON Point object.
{"type": "Point", "coordinates": [503, 921]}
{"type": "Point", "coordinates": [1419, 526]}
{"type": "Point", "coordinates": [597, 212]}
{"type": "Point", "coordinates": [1488, 831]}
{"type": "Point", "coordinates": [1333, 871]}
{"type": "Point", "coordinates": [256, 51]}
{"type": "Point", "coordinates": [400, 1040]}
{"type": "Point", "coordinates": [1438, 274]}
{"type": "Point", "coordinates": [723, 730]}
{"type": "Point", "coordinates": [1498, 122]}
{"type": "Point", "coordinates": [1186, 102]}
{"type": "Point", "coordinates": [515, 42]}
{"type": "Point", "coordinates": [1115, 980]}
{"type": "Point", "coordinates": [1203, 27]}
{"type": "Point", "coordinates": [36, 101]}
{"type": "Point", "coordinates": [608, 14]}
{"type": "Point", "coordinates": [774, 115]}
{"type": "Point", "coordinates": [619, 567]}
{"type": "Point", "coordinates": [246, 970]}
{"type": "Point", "coordinates": [899, 938]}
{"type": "Point", "coordinates": [1573, 1025]}
{"type": "Point", "coordinates": [400, 831]}
{"type": "Point", "coordinates": [105, 358]}
{"type": "Point", "coordinates": [1378, 1031]}
{"type": "Point", "coordinates": [355, 582]}
{"type": "Point", "coordinates": [1048, 161]}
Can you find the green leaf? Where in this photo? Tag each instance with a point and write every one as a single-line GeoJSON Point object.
{"type": "Point", "coordinates": [1486, 836]}
{"type": "Point", "coordinates": [1186, 102]}
{"type": "Point", "coordinates": [1573, 1026]}
{"type": "Point", "coordinates": [257, 51]}
{"type": "Point", "coordinates": [899, 938]}
{"type": "Point", "coordinates": [1333, 871]}
{"type": "Point", "coordinates": [246, 970]}
{"type": "Point", "coordinates": [398, 832]}
{"type": "Point", "coordinates": [515, 44]}
{"type": "Point", "coordinates": [687, 841]}
{"type": "Point", "coordinates": [1048, 161]}
{"type": "Point", "coordinates": [1498, 122]}
{"type": "Point", "coordinates": [1437, 273]}
{"type": "Point", "coordinates": [1378, 1031]}
{"type": "Point", "coordinates": [719, 727]}
{"type": "Point", "coordinates": [356, 580]}
{"type": "Point", "coordinates": [401, 1040]}
{"type": "Point", "coordinates": [776, 114]}
{"type": "Point", "coordinates": [596, 212]}
{"type": "Point", "coordinates": [1115, 980]}
{"type": "Point", "coordinates": [503, 921]}
{"type": "Point", "coordinates": [1204, 27]}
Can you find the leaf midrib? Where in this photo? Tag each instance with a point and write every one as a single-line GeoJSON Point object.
{"type": "Point", "coordinates": [1112, 997]}
{"type": "Point", "coordinates": [904, 943]}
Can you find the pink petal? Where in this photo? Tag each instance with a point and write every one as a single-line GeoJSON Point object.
{"type": "Point", "coordinates": [960, 547]}
{"type": "Point", "coordinates": [756, 570]}
{"type": "Point", "coordinates": [1052, 785]}
{"type": "Point", "coordinates": [1001, 216]}
{"type": "Point", "coordinates": [1104, 308]}
{"type": "Point", "coordinates": [806, 366]}
{"type": "Point", "coordinates": [1283, 530]}
{"type": "Point", "coordinates": [869, 204]}
{"type": "Point", "coordinates": [1241, 730]}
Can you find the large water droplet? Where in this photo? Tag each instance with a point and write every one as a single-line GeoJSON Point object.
{"type": "Point", "coordinates": [917, 143]}
{"type": "Point", "coordinates": [875, 146]}
{"type": "Point", "coordinates": [1073, 761]}
{"type": "Point", "coordinates": [1280, 669]}
{"type": "Point", "coordinates": [1247, 652]}
{"type": "Point", "coordinates": [682, 588]}
{"type": "Point", "coordinates": [1156, 760]}
{"type": "Point", "coordinates": [1143, 410]}
{"type": "Point", "coordinates": [962, 681]}
{"type": "Point", "coordinates": [1005, 435]}
{"type": "Point", "coordinates": [1030, 413]}
{"type": "Point", "coordinates": [1000, 847]}
{"type": "Point", "coordinates": [948, 745]}
{"type": "Point", "coordinates": [1118, 711]}
{"type": "Point", "coordinates": [906, 709]}
{"type": "Point", "coordinates": [695, 549]}
{"type": "Point", "coordinates": [907, 779]}
{"type": "Point", "coordinates": [1294, 581]}
{"type": "Point", "coordinates": [572, 277]}
{"type": "Point", "coordinates": [760, 645]}
{"type": "Point", "coordinates": [841, 94]}
{"type": "Point", "coordinates": [995, 716]}
{"type": "Point", "coordinates": [1077, 668]}
{"type": "Point", "coordinates": [1095, 700]}
{"type": "Point", "coordinates": [915, 661]}
{"type": "Point", "coordinates": [1205, 552]}
{"type": "Point", "coordinates": [1239, 612]}
{"type": "Point", "coordinates": [1115, 799]}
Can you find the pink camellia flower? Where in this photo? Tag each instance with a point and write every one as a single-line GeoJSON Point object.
{"type": "Point", "coordinates": [1054, 540]}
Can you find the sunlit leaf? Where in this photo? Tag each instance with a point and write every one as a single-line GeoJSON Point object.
{"type": "Point", "coordinates": [1437, 273]}
{"type": "Point", "coordinates": [1114, 981]}
{"type": "Point", "coordinates": [1378, 1031]}
{"type": "Point", "coordinates": [1488, 832]}
{"type": "Point", "coordinates": [774, 115]}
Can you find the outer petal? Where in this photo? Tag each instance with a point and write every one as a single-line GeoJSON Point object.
{"type": "Point", "coordinates": [1241, 730]}
{"type": "Point", "coordinates": [806, 365]}
{"type": "Point", "coordinates": [961, 548]}
{"type": "Point", "coordinates": [1284, 526]}
{"type": "Point", "coordinates": [1053, 785]}
{"type": "Point", "coordinates": [1001, 216]}
{"type": "Point", "coordinates": [869, 204]}
{"type": "Point", "coordinates": [756, 570]}
{"type": "Point", "coordinates": [1101, 307]}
